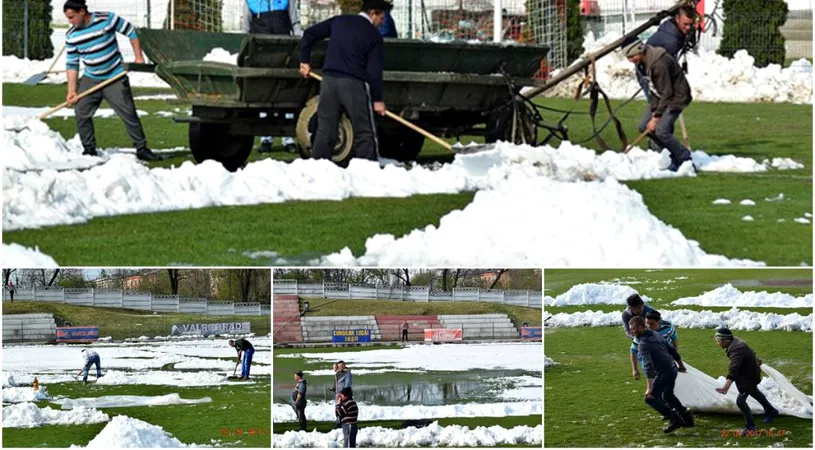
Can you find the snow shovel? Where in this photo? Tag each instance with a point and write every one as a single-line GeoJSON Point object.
{"type": "Point", "coordinates": [234, 377]}
{"type": "Point", "coordinates": [684, 131]}
{"type": "Point", "coordinates": [425, 133]}
{"type": "Point", "coordinates": [37, 77]}
{"type": "Point", "coordinates": [83, 95]}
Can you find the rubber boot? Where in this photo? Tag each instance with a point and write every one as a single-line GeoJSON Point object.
{"type": "Point", "coordinates": [687, 418]}
{"type": "Point", "coordinates": [676, 422]}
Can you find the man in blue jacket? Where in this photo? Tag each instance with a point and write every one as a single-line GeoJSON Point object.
{"type": "Point", "coordinates": [658, 357]}
{"type": "Point", "coordinates": [388, 27]}
{"type": "Point", "coordinates": [352, 77]}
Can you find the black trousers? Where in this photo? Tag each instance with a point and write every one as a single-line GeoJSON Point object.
{"type": "Point", "coordinates": [404, 335]}
{"type": "Point", "coordinates": [120, 98]}
{"type": "Point", "coordinates": [352, 96]}
{"type": "Point", "coordinates": [664, 400]}
{"type": "Point", "coordinates": [741, 402]}
{"type": "Point", "coordinates": [300, 409]}
{"type": "Point", "coordinates": [273, 22]}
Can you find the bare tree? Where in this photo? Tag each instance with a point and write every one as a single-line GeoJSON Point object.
{"type": "Point", "coordinates": [245, 277]}
{"type": "Point", "coordinates": [403, 275]}
{"type": "Point", "coordinates": [497, 278]}
{"type": "Point", "coordinates": [196, 283]}
{"type": "Point", "coordinates": [7, 275]}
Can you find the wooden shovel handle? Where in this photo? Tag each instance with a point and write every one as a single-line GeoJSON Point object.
{"type": "Point", "coordinates": [82, 95]}
{"type": "Point", "coordinates": [636, 141]}
{"type": "Point", "coordinates": [405, 122]}
{"type": "Point", "coordinates": [55, 59]}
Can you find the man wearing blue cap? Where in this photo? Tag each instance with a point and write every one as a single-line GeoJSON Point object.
{"type": "Point", "coordinates": [745, 371]}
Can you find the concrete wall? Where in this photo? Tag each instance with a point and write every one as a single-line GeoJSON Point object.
{"type": "Point", "coordinates": [29, 328]}
{"type": "Point", "coordinates": [320, 329]}
{"type": "Point", "coordinates": [481, 326]}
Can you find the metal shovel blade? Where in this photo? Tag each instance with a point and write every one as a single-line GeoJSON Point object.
{"type": "Point", "coordinates": [471, 149]}
{"type": "Point", "coordinates": [36, 78]}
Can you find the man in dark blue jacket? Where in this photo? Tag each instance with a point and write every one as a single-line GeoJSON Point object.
{"type": "Point", "coordinates": [388, 27]}
{"type": "Point", "coordinates": [672, 35]}
{"type": "Point", "coordinates": [658, 358]}
{"type": "Point", "coordinates": [352, 77]}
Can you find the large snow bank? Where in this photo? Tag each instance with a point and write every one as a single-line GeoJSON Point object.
{"type": "Point", "coordinates": [593, 294]}
{"type": "Point", "coordinates": [324, 411]}
{"type": "Point", "coordinates": [728, 295]}
{"type": "Point", "coordinates": [126, 432]}
{"type": "Point", "coordinates": [29, 415]}
{"type": "Point", "coordinates": [734, 319]}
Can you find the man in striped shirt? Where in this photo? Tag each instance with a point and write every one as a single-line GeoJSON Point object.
{"type": "Point", "coordinates": [347, 411]}
{"type": "Point", "coordinates": [92, 41]}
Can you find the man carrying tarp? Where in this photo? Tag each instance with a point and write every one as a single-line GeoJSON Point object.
{"type": "Point", "coordinates": [745, 371]}
{"type": "Point", "coordinates": [658, 360]}
{"type": "Point", "coordinates": [243, 347]}
{"type": "Point", "coordinates": [91, 358]}
{"type": "Point", "coordinates": [654, 322]}
{"type": "Point", "coordinates": [636, 307]}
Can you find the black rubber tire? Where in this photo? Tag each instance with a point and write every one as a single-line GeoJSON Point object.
{"type": "Point", "coordinates": [213, 141]}
{"type": "Point", "coordinates": [307, 130]}
{"type": "Point", "coordinates": [499, 126]}
{"type": "Point", "coordinates": [401, 145]}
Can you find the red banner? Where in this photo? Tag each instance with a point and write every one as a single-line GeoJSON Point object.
{"type": "Point", "coordinates": [442, 335]}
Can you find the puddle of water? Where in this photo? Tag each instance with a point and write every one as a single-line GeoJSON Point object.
{"type": "Point", "coordinates": [425, 389]}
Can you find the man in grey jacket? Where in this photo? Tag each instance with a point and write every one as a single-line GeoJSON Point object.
{"type": "Point", "coordinates": [280, 17]}
{"type": "Point", "coordinates": [671, 94]}
{"type": "Point", "coordinates": [745, 371]}
{"type": "Point", "coordinates": [658, 358]}
{"type": "Point", "coordinates": [298, 398]}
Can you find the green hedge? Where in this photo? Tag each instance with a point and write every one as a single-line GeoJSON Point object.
{"type": "Point", "coordinates": [574, 31]}
{"type": "Point", "coordinates": [39, 29]}
{"type": "Point", "coordinates": [198, 15]}
{"type": "Point", "coordinates": [754, 25]}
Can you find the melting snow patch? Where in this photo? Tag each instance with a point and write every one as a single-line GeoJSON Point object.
{"type": "Point", "coordinates": [223, 56]}
{"type": "Point", "coordinates": [126, 432]}
{"type": "Point", "coordinates": [721, 201]}
{"type": "Point", "coordinates": [433, 435]}
{"type": "Point", "coordinates": [734, 319]}
{"type": "Point", "coordinates": [24, 394]}
{"type": "Point", "coordinates": [778, 198]}
{"type": "Point", "coordinates": [728, 295]}
{"type": "Point", "coordinates": [748, 219]}
{"type": "Point", "coordinates": [8, 380]}
{"type": "Point", "coordinates": [117, 401]}
{"type": "Point", "coordinates": [324, 411]}
{"type": "Point", "coordinates": [16, 255]}
{"type": "Point", "coordinates": [593, 294]}
{"type": "Point", "coordinates": [802, 220]}
{"type": "Point", "coordinates": [28, 415]}
{"type": "Point", "coordinates": [549, 362]}
{"type": "Point", "coordinates": [747, 202]}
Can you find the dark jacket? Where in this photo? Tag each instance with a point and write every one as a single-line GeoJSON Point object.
{"type": "Point", "coordinates": [388, 27]}
{"type": "Point", "coordinates": [627, 315]}
{"type": "Point", "coordinates": [242, 345]}
{"type": "Point", "coordinates": [300, 388]}
{"type": "Point", "coordinates": [668, 37]}
{"type": "Point", "coordinates": [672, 88]}
{"type": "Point", "coordinates": [348, 411]}
{"type": "Point", "coordinates": [744, 365]}
{"type": "Point", "coordinates": [657, 355]}
{"type": "Point", "coordinates": [355, 50]}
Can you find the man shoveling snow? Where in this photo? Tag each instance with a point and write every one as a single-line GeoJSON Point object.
{"type": "Point", "coordinates": [91, 358]}
{"type": "Point", "coordinates": [245, 349]}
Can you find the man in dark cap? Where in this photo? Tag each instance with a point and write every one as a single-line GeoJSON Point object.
{"type": "Point", "coordinates": [91, 39]}
{"type": "Point", "coordinates": [348, 411]}
{"type": "Point", "coordinates": [298, 398]}
{"type": "Point", "coordinates": [352, 77]}
{"type": "Point", "coordinates": [658, 357]}
{"type": "Point", "coordinates": [636, 307]}
{"type": "Point", "coordinates": [671, 95]}
{"type": "Point", "coordinates": [745, 371]}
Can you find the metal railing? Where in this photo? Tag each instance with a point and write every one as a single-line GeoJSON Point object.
{"type": "Point", "coordinates": [531, 299]}
{"type": "Point", "coordinates": [114, 298]}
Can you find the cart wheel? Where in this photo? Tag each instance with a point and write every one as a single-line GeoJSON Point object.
{"type": "Point", "coordinates": [307, 130]}
{"type": "Point", "coordinates": [401, 145]}
{"type": "Point", "coordinates": [499, 125]}
{"type": "Point", "coordinates": [213, 141]}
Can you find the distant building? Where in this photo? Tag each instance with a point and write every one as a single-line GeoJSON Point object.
{"type": "Point", "coordinates": [130, 282]}
{"type": "Point", "coordinates": [488, 277]}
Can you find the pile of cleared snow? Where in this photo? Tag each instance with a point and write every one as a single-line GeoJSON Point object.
{"type": "Point", "coordinates": [126, 432]}
{"type": "Point", "coordinates": [433, 435]}
{"type": "Point", "coordinates": [593, 294]}
{"type": "Point", "coordinates": [16, 255]}
{"type": "Point", "coordinates": [156, 377]}
{"type": "Point", "coordinates": [548, 362]}
{"type": "Point", "coordinates": [734, 319]}
{"type": "Point", "coordinates": [324, 411]}
{"type": "Point", "coordinates": [728, 295]}
{"type": "Point", "coordinates": [8, 380]}
{"type": "Point", "coordinates": [712, 77]}
{"type": "Point", "coordinates": [24, 394]}
{"type": "Point", "coordinates": [443, 357]}
{"type": "Point", "coordinates": [223, 56]}
{"type": "Point", "coordinates": [118, 401]}
{"type": "Point", "coordinates": [28, 415]}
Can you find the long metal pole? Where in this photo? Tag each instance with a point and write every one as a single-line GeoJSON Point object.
{"type": "Point", "coordinates": [498, 23]}
{"type": "Point", "coordinates": [25, 29]}
{"type": "Point", "coordinates": [149, 11]}
{"type": "Point", "coordinates": [585, 62]}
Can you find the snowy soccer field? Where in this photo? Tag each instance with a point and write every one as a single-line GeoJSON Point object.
{"type": "Point", "coordinates": [153, 393]}
{"type": "Point", "coordinates": [587, 353]}
{"type": "Point", "coordinates": [473, 395]}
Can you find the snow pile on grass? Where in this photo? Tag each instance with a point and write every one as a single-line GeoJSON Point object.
{"type": "Point", "coordinates": [16, 255]}
{"type": "Point", "coordinates": [728, 295]}
{"type": "Point", "coordinates": [28, 415]}
{"type": "Point", "coordinates": [324, 411]}
{"type": "Point", "coordinates": [126, 432]}
{"type": "Point", "coordinates": [443, 357]}
{"type": "Point", "coordinates": [523, 388]}
{"type": "Point", "coordinates": [593, 294]}
{"type": "Point", "coordinates": [734, 319]}
{"type": "Point", "coordinates": [549, 362]}
{"type": "Point", "coordinates": [712, 77]}
{"type": "Point", "coordinates": [157, 377]}
{"type": "Point", "coordinates": [696, 390]}
{"type": "Point", "coordinates": [433, 435]}
{"type": "Point", "coordinates": [8, 380]}
{"type": "Point", "coordinates": [118, 401]}
{"type": "Point", "coordinates": [24, 394]}
{"type": "Point", "coordinates": [221, 55]}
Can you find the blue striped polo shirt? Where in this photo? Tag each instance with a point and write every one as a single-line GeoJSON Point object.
{"type": "Point", "coordinates": [95, 45]}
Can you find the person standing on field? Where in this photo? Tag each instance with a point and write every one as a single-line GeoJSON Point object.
{"type": "Point", "coordinates": [91, 39]}
{"type": "Point", "coordinates": [298, 398]}
{"type": "Point", "coordinates": [405, 331]}
{"type": "Point", "coordinates": [348, 411]}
